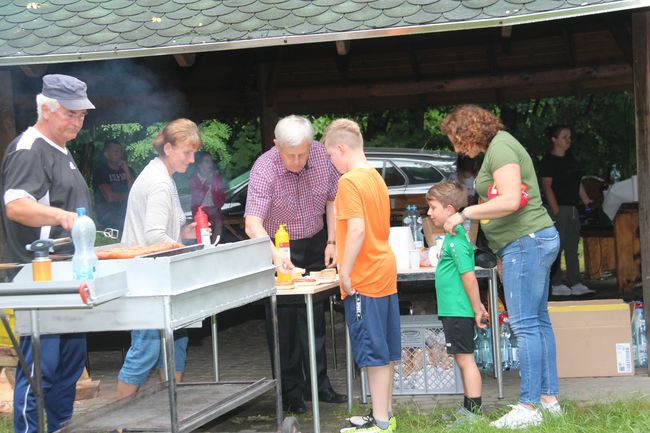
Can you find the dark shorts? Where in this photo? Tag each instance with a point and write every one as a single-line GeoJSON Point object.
{"type": "Point", "coordinates": [459, 334]}
{"type": "Point", "coordinates": [374, 329]}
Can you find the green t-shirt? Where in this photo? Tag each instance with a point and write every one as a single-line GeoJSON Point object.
{"type": "Point", "coordinates": [457, 258]}
{"type": "Point", "coordinates": [505, 149]}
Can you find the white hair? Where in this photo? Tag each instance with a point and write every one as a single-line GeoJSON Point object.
{"type": "Point", "coordinates": [51, 104]}
{"type": "Point", "coordinates": [294, 130]}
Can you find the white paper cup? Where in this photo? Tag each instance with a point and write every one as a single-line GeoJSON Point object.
{"type": "Point", "coordinates": [414, 259]}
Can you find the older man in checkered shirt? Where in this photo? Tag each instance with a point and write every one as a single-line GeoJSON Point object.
{"type": "Point", "coordinates": [294, 183]}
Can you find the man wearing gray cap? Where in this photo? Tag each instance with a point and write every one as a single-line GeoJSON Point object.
{"type": "Point", "coordinates": [42, 187]}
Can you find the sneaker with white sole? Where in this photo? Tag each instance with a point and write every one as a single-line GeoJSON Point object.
{"type": "Point", "coordinates": [359, 420]}
{"type": "Point", "coordinates": [519, 417]}
{"type": "Point", "coordinates": [561, 290]}
{"type": "Point", "coordinates": [553, 409]}
{"type": "Point", "coordinates": [580, 289]}
{"type": "Point", "coordinates": [370, 426]}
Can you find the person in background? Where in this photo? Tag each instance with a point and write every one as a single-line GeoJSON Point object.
{"type": "Point", "coordinates": [293, 183]}
{"type": "Point", "coordinates": [467, 169]}
{"type": "Point", "coordinates": [563, 190]}
{"type": "Point", "coordinates": [521, 232]}
{"type": "Point", "coordinates": [459, 303]}
{"type": "Point", "coordinates": [367, 271]}
{"type": "Point", "coordinates": [112, 182]}
{"type": "Point", "coordinates": [42, 187]}
{"type": "Point", "coordinates": [207, 190]}
{"type": "Point", "coordinates": [154, 215]}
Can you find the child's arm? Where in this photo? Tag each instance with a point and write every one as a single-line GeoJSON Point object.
{"type": "Point", "coordinates": [471, 288]}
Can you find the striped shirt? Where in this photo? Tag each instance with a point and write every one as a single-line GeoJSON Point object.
{"type": "Point", "coordinates": [278, 196]}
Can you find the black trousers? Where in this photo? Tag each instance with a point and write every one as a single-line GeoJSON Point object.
{"type": "Point", "coordinates": [292, 326]}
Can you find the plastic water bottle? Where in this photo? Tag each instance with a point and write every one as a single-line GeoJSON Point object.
{"type": "Point", "coordinates": [639, 337]}
{"type": "Point", "coordinates": [477, 352]}
{"type": "Point", "coordinates": [485, 349]}
{"type": "Point", "coordinates": [84, 259]}
{"type": "Point", "coordinates": [417, 225]}
{"type": "Point", "coordinates": [614, 174]}
{"type": "Point", "coordinates": [408, 218]}
{"type": "Point", "coordinates": [514, 351]}
{"type": "Point", "coordinates": [506, 346]}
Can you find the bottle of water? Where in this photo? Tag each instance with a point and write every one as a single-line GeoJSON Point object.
{"type": "Point", "coordinates": [477, 352]}
{"type": "Point", "coordinates": [514, 350]}
{"type": "Point", "coordinates": [418, 237]}
{"type": "Point", "coordinates": [614, 174]}
{"type": "Point", "coordinates": [639, 338]}
{"type": "Point", "coordinates": [506, 347]}
{"type": "Point", "coordinates": [84, 259]}
{"type": "Point", "coordinates": [485, 349]}
{"type": "Point", "coordinates": [408, 220]}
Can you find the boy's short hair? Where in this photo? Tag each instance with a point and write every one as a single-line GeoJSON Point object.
{"type": "Point", "coordinates": [448, 193]}
{"type": "Point", "coordinates": [343, 129]}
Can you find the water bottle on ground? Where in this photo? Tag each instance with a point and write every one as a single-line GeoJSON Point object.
{"type": "Point", "coordinates": [84, 259]}
{"type": "Point", "coordinates": [506, 347]}
{"type": "Point", "coordinates": [514, 351]}
{"type": "Point", "coordinates": [639, 338]}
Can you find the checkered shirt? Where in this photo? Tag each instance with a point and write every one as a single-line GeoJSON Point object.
{"type": "Point", "coordinates": [278, 196]}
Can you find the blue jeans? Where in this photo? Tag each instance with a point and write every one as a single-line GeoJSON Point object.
{"type": "Point", "coordinates": [526, 266]}
{"type": "Point", "coordinates": [144, 354]}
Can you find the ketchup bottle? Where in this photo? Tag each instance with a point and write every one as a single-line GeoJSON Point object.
{"type": "Point", "coordinates": [202, 227]}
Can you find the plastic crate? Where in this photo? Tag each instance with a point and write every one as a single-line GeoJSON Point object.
{"type": "Point", "coordinates": [426, 368]}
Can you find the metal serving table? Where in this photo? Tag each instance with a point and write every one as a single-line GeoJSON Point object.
{"type": "Point", "coordinates": [169, 291]}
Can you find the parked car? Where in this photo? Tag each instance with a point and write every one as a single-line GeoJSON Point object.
{"type": "Point", "coordinates": [408, 173]}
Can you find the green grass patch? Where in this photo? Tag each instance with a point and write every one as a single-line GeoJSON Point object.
{"type": "Point", "coordinates": [624, 416]}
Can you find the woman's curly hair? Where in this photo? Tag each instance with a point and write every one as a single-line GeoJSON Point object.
{"type": "Point", "coordinates": [471, 127]}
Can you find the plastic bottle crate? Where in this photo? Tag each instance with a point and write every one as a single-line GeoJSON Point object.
{"type": "Point", "coordinates": [426, 368]}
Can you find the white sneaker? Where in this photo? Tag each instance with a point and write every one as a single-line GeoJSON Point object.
{"type": "Point", "coordinates": [580, 289]}
{"type": "Point", "coordinates": [553, 409]}
{"type": "Point", "coordinates": [561, 290]}
{"type": "Point", "coordinates": [518, 417]}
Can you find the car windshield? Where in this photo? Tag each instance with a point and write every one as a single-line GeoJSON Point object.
{"type": "Point", "coordinates": [237, 181]}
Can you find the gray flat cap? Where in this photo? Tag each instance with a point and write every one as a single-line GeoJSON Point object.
{"type": "Point", "coordinates": [69, 91]}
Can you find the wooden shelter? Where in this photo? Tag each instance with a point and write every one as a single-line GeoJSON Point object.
{"type": "Point", "coordinates": [149, 60]}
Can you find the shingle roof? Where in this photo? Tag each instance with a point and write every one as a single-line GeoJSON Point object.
{"type": "Point", "coordinates": [71, 30]}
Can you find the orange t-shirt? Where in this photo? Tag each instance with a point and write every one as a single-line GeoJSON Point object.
{"type": "Point", "coordinates": [363, 194]}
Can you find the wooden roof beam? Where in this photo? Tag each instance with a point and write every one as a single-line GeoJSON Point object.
{"type": "Point", "coordinates": [569, 45]}
{"type": "Point", "coordinates": [623, 39]}
{"type": "Point", "coordinates": [415, 64]}
{"type": "Point", "coordinates": [34, 71]}
{"type": "Point", "coordinates": [185, 60]}
{"type": "Point", "coordinates": [342, 48]}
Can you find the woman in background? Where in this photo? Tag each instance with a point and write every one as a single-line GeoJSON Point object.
{"type": "Point", "coordinates": [154, 215]}
{"type": "Point", "coordinates": [207, 190]}
{"type": "Point", "coordinates": [563, 190]}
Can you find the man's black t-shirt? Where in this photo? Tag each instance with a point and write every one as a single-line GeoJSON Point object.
{"type": "Point", "coordinates": [116, 179]}
{"type": "Point", "coordinates": [566, 174]}
{"type": "Point", "coordinates": [37, 168]}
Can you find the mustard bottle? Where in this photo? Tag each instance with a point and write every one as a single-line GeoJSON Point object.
{"type": "Point", "coordinates": [282, 244]}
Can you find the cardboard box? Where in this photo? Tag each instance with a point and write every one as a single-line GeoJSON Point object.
{"type": "Point", "coordinates": [593, 338]}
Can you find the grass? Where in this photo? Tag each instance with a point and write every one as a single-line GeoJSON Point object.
{"type": "Point", "coordinates": [624, 416]}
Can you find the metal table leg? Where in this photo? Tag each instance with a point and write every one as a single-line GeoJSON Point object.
{"type": "Point", "coordinates": [215, 347]}
{"type": "Point", "coordinates": [312, 361]}
{"type": "Point", "coordinates": [364, 385]}
{"type": "Point", "coordinates": [171, 368]}
{"type": "Point", "coordinates": [333, 334]}
{"type": "Point", "coordinates": [496, 337]}
{"type": "Point", "coordinates": [349, 366]}
{"type": "Point", "coordinates": [276, 360]}
{"type": "Point", "coordinates": [36, 357]}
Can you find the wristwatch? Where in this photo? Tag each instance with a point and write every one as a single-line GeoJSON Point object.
{"type": "Point", "coordinates": [461, 212]}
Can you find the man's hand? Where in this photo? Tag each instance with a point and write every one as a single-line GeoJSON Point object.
{"type": "Point", "coordinates": [283, 265]}
{"type": "Point", "coordinates": [346, 284]}
{"type": "Point", "coordinates": [330, 256]}
{"type": "Point", "coordinates": [66, 219]}
{"type": "Point", "coordinates": [481, 316]}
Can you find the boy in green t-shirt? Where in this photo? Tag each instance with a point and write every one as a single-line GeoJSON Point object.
{"type": "Point", "coordinates": [459, 305]}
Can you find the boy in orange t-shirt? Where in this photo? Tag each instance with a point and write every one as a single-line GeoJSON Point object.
{"type": "Point", "coordinates": [367, 271]}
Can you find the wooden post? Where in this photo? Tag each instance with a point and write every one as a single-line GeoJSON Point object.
{"type": "Point", "coordinates": [7, 125]}
{"type": "Point", "coordinates": [641, 45]}
{"type": "Point", "coordinates": [269, 111]}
